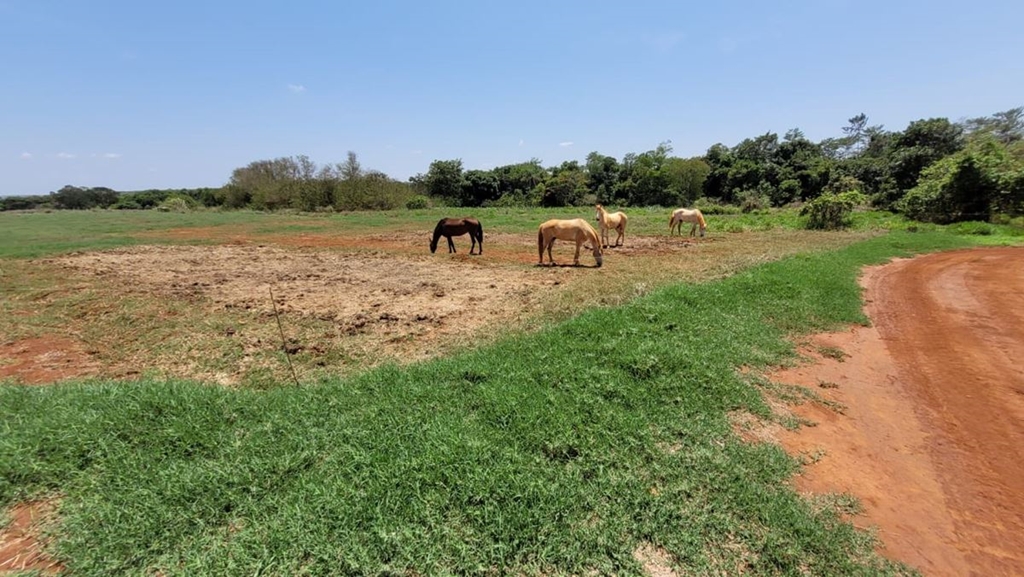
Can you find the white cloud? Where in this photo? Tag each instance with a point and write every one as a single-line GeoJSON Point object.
{"type": "Point", "coordinates": [296, 88]}
{"type": "Point", "coordinates": [112, 155]}
{"type": "Point", "coordinates": [26, 155]}
{"type": "Point", "coordinates": [521, 142]}
{"type": "Point", "coordinates": [417, 151]}
{"type": "Point", "coordinates": [65, 155]}
{"type": "Point", "coordinates": [565, 144]}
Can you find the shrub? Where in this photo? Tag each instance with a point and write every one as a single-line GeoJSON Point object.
{"type": "Point", "coordinates": [177, 203]}
{"type": "Point", "coordinates": [517, 198]}
{"type": "Point", "coordinates": [974, 227]}
{"type": "Point", "coordinates": [832, 211]}
{"type": "Point", "coordinates": [127, 203]}
{"type": "Point", "coordinates": [787, 192]}
{"type": "Point", "coordinates": [714, 206]}
{"type": "Point", "coordinates": [418, 201]}
{"type": "Point", "coordinates": [751, 200]}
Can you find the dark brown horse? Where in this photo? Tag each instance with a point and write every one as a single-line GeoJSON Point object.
{"type": "Point", "coordinates": [449, 227]}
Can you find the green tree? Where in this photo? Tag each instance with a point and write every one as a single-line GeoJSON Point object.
{"type": "Point", "coordinates": [602, 175]}
{"type": "Point", "coordinates": [685, 180]}
{"type": "Point", "coordinates": [1006, 126]}
{"type": "Point", "coordinates": [972, 184]}
{"type": "Point", "coordinates": [566, 187]}
{"type": "Point", "coordinates": [720, 160]}
{"type": "Point", "coordinates": [479, 186]}
{"type": "Point", "coordinates": [445, 180]}
{"type": "Point", "coordinates": [517, 181]}
{"type": "Point", "coordinates": [911, 151]}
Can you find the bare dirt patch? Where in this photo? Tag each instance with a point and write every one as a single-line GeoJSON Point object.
{"type": "Point", "coordinates": [46, 359]}
{"type": "Point", "coordinates": [931, 436]}
{"type": "Point", "coordinates": [21, 547]}
{"type": "Point", "coordinates": [656, 561]}
{"type": "Point", "coordinates": [342, 307]}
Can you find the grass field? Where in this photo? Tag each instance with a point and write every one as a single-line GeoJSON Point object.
{"type": "Point", "coordinates": [167, 295]}
{"type": "Point", "coordinates": [594, 438]}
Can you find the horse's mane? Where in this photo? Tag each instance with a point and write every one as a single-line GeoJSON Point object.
{"type": "Point", "coordinates": [700, 217]}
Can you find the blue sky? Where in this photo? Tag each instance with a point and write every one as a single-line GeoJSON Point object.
{"type": "Point", "coordinates": [135, 95]}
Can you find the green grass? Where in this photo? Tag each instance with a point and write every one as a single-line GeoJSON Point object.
{"type": "Point", "coordinates": [559, 452]}
{"type": "Point", "coordinates": [35, 234]}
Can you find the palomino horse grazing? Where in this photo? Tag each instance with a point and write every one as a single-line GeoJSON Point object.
{"type": "Point", "coordinates": [681, 215]}
{"type": "Point", "coordinates": [608, 220]}
{"type": "Point", "coordinates": [449, 227]}
{"type": "Point", "coordinates": [576, 229]}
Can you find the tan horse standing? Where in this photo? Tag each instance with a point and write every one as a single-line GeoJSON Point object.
{"type": "Point", "coordinates": [608, 220]}
{"type": "Point", "coordinates": [576, 229]}
{"type": "Point", "coordinates": [681, 215]}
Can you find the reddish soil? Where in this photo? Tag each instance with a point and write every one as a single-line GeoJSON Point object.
{"type": "Point", "coordinates": [44, 360]}
{"type": "Point", "coordinates": [930, 435]}
{"type": "Point", "coordinates": [20, 548]}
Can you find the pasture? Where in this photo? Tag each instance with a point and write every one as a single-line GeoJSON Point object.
{"type": "Point", "coordinates": [457, 414]}
{"type": "Point", "coordinates": [130, 294]}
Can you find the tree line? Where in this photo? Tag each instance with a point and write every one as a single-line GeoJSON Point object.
{"type": "Point", "coordinates": [933, 170]}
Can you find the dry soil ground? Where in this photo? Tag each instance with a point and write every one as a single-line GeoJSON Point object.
{"type": "Point", "coordinates": [932, 435]}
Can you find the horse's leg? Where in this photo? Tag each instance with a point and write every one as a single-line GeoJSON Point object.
{"type": "Point", "coordinates": [451, 245]}
{"type": "Point", "coordinates": [576, 259]}
{"type": "Point", "coordinates": [551, 244]}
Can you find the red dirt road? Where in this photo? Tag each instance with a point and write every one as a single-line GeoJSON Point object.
{"type": "Point", "coordinates": [932, 436]}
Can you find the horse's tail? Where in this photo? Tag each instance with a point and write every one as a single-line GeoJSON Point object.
{"type": "Point", "coordinates": [480, 232]}
{"type": "Point", "coordinates": [540, 243]}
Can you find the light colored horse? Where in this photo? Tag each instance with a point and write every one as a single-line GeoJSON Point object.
{"type": "Point", "coordinates": [608, 220]}
{"type": "Point", "coordinates": [576, 229]}
{"type": "Point", "coordinates": [681, 215]}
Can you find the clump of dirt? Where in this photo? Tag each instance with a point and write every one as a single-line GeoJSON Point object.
{"type": "Point", "coordinates": [45, 359]}
{"type": "Point", "coordinates": [21, 547]}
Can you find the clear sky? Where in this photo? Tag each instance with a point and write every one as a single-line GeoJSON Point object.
{"type": "Point", "coordinates": [139, 94]}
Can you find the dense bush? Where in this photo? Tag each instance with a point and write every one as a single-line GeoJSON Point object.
{"type": "Point", "coordinates": [417, 202]}
{"type": "Point", "coordinates": [832, 211]}
{"type": "Point", "coordinates": [983, 179]}
{"type": "Point", "coordinates": [178, 203]}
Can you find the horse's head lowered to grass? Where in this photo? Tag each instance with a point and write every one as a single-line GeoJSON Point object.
{"type": "Point", "coordinates": [449, 227]}
{"type": "Point", "coordinates": [575, 229]}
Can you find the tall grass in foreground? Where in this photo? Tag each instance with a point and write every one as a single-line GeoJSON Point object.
{"type": "Point", "coordinates": [558, 452]}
